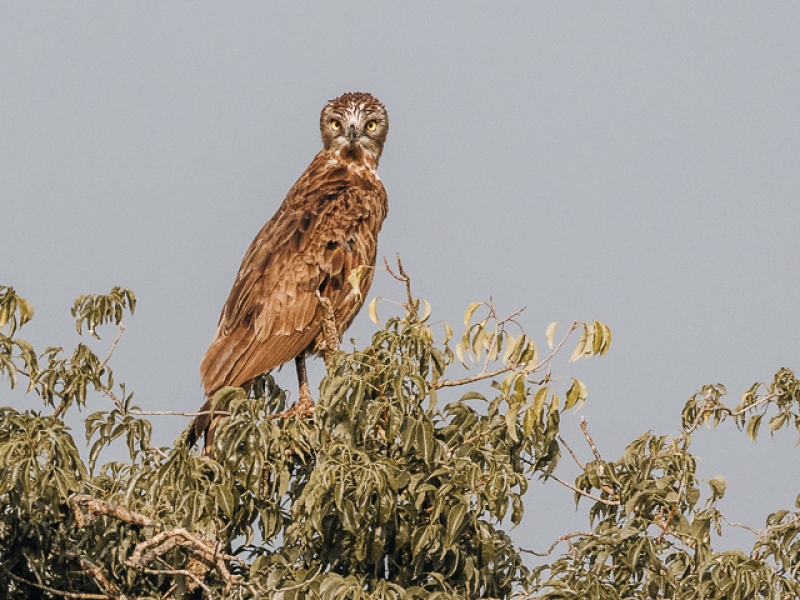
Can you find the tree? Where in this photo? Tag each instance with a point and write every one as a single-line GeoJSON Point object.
{"type": "Point", "coordinates": [383, 494]}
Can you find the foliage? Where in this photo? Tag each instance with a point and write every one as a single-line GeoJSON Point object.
{"type": "Point", "coordinates": [397, 488]}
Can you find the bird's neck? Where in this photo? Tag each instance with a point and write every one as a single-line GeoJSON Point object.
{"type": "Point", "coordinates": [354, 155]}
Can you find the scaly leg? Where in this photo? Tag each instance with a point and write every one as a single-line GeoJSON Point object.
{"type": "Point", "coordinates": [305, 403]}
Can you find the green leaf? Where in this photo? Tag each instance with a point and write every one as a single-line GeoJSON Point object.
{"type": "Point", "coordinates": [528, 421]}
{"type": "Point", "coordinates": [460, 354]}
{"type": "Point", "coordinates": [372, 309]}
{"type": "Point", "coordinates": [753, 426]}
{"type": "Point", "coordinates": [718, 486]}
{"type": "Point", "coordinates": [511, 422]}
{"type": "Point", "coordinates": [425, 439]}
{"type": "Point", "coordinates": [224, 499]}
{"type": "Point", "coordinates": [581, 347]}
{"type": "Point", "coordinates": [538, 401]}
{"type": "Point", "coordinates": [550, 333]}
{"type": "Point", "coordinates": [468, 314]}
{"type": "Point", "coordinates": [454, 520]}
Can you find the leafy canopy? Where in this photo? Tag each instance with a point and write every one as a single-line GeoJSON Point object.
{"type": "Point", "coordinates": [388, 492]}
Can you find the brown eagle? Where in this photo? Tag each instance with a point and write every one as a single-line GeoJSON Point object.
{"type": "Point", "coordinates": [326, 227]}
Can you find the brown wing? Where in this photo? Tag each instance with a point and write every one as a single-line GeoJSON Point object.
{"type": "Point", "coordinates": [327, 226]}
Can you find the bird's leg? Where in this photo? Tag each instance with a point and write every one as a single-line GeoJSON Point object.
{"type": "Point", "coordinates": [305, 403]}
{"type": "Point", "coordinates": [330, 339]}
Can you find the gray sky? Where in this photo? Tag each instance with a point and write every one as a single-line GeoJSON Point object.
{"type": "Point", "coordinates": [634, 162]}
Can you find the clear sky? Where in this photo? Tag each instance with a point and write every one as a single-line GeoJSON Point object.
{"type": "Point", "coordinates": [631, 162]}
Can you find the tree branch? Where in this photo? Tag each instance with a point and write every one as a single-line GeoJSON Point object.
{"type": "Point", "coordinates": [197, 546]}
{"type": "Point", "coordinates": [47, 588]}
{"type": "Point", "coordinates": [96, 507]}
{"type": "Point", "coordinates": [99, 576]}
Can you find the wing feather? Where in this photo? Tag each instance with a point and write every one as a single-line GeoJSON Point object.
{"type": "Point", "coordinates": [326, 226]}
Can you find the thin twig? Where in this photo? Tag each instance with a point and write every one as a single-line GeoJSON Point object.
{"type": "Point", "coordinates": [759, 534]}
{"type": "Point", "coordinates": [584, 427]}
{"type": "Point", "coordinates": [709, 405]}
{"type": "Point", "coordinates": [470, 440]}
{"type": "Point", "coordinates": [601, 471]}
{"type": "Point", "coordinates": [563, 538]}
{"type": "Point", "coordinates": [582, 493]}
{"type": "Point", "coordinates": [671, 512]}
{"type": "Point", "coordinates": [113, 346]}
{"type": "Point", "coordinates": [575, 458]}
{"type": "Point", "coordinates": [454, 382]}
{"type": "Point", "coordinates": [139, 413]}
{"type": "Point", "coordinates": [780, 526]}
{"type": "Point", "coordinates": [411, 306]}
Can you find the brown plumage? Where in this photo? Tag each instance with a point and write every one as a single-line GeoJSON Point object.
{"type": "Point", "coordinates": [326, 227]}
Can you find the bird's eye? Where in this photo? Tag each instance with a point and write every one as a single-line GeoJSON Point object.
{"type": "Point", "coordinates": [335, 125]}
{"type": "Point", "coordinates": [372, 125]}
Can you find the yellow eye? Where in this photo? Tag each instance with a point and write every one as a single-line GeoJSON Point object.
{"type": "Point", "coordinates": [335, 125]}
{"type": "Point", "coordinates": [372, 126]}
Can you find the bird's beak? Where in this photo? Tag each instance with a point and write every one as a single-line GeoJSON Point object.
{"type": "Point", "coordinates": [352, 134]}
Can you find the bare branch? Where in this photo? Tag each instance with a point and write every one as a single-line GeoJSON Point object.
{"type": "Point", "coordinates": [584, 427]}
{"type": "Point", "coordinates": [101, 507]}
{"type": "Point", "coordinates": [411, 306]}
{"type": "Point", "coordinates": [740, 525]}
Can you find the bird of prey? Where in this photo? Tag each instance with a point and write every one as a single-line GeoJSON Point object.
{"type": "Point", "coordinates": [326, 228]}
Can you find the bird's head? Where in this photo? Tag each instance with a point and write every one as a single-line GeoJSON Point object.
{"type": "Point", "coordinates": [354, 126]}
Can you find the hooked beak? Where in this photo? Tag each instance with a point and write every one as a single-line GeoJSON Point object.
{"type": "Point", "coordinates": [352, 134]}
